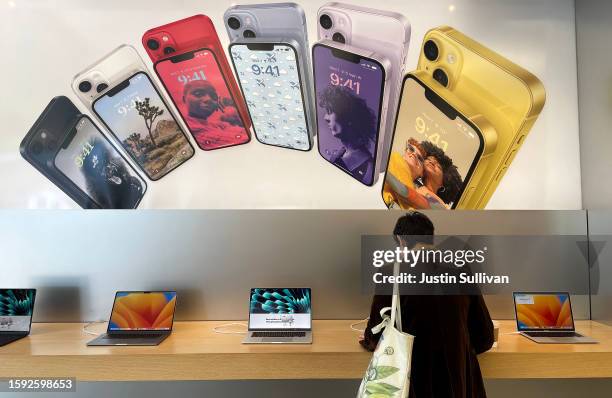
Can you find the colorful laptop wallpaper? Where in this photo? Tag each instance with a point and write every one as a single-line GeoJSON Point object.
{"type": "Point", "coordinates": [280, 301]}
{"type": "Point", "coordinates": [16, 302]}
{"type": "Point", "coordinates": [543, 311]}
{"type": "Point", "coordinates": [16, 307]}
{"type": "Point", "coordinates": [143, 311]}
{"type": "Point", "coordinates": [280, 309]}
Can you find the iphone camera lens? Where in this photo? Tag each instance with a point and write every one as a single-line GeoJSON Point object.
{"type": "Point", "coordinates": [431, 50]}
{"type": "Point", "coordinates": [248, 34]}
{"type": "Point", "coordinates": [441, 77]}
{"type": "Point", "coordinates": [101, 87]}
{"type": "Point", "coordinates": [325, 21]}
{"type": "Point", "coordinates": [168, 50]}
{"type": "Point", "coordinates": [153, 44]}
{"type": "Point", "coordinates": [84, 86]}
{"type": "Point", "coordinates": [233, 23]}
{"type": "Point", "coordinates": [339, 37]}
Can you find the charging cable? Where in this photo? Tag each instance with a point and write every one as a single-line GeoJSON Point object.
{"type": "Point", "coordinates": [86, 326]}
{"type": "Point", "coordinates": [218, 329]}
{"type": "Point", "coordinates": [353, 325]}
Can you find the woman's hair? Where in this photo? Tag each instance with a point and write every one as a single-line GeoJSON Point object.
{"type": "Point", "coordinates": [413, 223]}
{"type": "Point", "coordinates": [352, 113]}
{"type": "Point", "coordinates": [451, 179]}
{"type": "Point", "coordinates": [415, 144]}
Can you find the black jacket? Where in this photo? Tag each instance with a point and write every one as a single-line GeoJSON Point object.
{"type": "Point", "coordinates": [449, 332]}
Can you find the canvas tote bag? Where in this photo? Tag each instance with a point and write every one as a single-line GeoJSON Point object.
{"type": "Point", "coordinates": [388, 375]}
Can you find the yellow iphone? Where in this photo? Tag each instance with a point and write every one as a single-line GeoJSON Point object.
{"type": "Point", "coordinates": [508, 96]}
{"type": "Point", "coordinates": [439, 150]}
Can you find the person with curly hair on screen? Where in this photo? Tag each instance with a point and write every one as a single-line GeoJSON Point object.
{"type": "Point", "coordinates": [353, 123]}
{"type": "Point", "coordinates": [441, 179]}
{"type": "Point", "coordinates": [423, 177]}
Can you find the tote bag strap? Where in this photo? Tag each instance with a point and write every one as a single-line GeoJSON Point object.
{"type": "Point", "coordinates": [396, 309]}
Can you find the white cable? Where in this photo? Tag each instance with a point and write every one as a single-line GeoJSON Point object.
{"type": "Point", "coordinates": [216, 328]}
{"type": "Point", "coordinates": [357, 323]}
{"type": "Point", "coordinates": [87, 325]}
{"type": "Point", "coordinates": [509, 333]}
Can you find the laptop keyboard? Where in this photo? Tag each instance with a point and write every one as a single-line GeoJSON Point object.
{"type": "Point", "coordinates": [553, 334]}
{"type": "Point", "coordinates": [130, 336]}
{"type": "Point", "coordinates": [278, 334]}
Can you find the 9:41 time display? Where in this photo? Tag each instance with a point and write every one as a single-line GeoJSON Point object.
{"type": "Point", "coordinates": [353, 85]}
{"type": "Point", "coordinates": [79, 160]}
{"type": "Point", "coordinates": [186, 78]}
{"type": "Point", "coordinates": [273, 71]}
{"type": "Point", "coordinates": [435, 138]}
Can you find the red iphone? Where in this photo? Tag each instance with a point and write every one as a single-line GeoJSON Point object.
{"type": "Point", "coordinates": [191, 64]}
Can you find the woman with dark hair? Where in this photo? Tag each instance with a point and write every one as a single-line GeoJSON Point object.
{"type": "Point", "coordinates": [450, 330]}
{"type": "Point", "coordinates": [351, 121]}
{"type": "Point", "coordinates": [441, 179]}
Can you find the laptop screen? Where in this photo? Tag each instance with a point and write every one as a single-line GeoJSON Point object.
{"type": "Point", "coordinates": [543, 311]}
{"type": "Point", "coordinates": [16, 308]}
{"type": "Point", "coordinates": [142, 311]}
{"type": "Point", "coordinates": [280, 309]}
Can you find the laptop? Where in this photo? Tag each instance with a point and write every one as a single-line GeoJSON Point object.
{"type": "Point", "coordinates": [139, 318]}
{"type": "Point", "coordinates": [279, 316]}
{"type": "Point", "coordinates": [547, 318]}
{"type": "Point", "coordinates": [16, 309]}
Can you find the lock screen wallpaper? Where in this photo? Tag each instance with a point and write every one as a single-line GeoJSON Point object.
{"type": "Point", "coordinates": [199, 91]}
{"type": "Point", "coordinates": [94, 165]}
{"type": "Point", "coordinates": [349, 97]}
{"type": "Point", "coordinates": [431, 155]}
{"type": "Point", "coordinates": [147, 130]}
{"type": "Point", "coordinates": [271, 84]}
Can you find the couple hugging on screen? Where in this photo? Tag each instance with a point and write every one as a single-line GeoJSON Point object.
{"type": "Point", "coordinates": [421, 177]}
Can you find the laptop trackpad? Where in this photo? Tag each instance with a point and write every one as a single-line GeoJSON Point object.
{"type": "Point", "coordinates": [277, 340]}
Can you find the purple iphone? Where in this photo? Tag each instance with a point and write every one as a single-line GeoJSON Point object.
{"type": "Point", "coordinates": [349, 91]}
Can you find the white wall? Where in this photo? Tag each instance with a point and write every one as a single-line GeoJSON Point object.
{"type": "Point", "coordinates": [45, 42]}
{"type": "Point", "coordinates": [593, 32]}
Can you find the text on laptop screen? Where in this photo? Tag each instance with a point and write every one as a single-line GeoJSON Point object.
{"type": "Point", "coordinates": [143, 311]}
{"type": "Point", "coordinates": [16, 307]}
{"type": "Point", "coordinates": [280, 309]}
{"type": "Point", "coordinates": [543, 311]}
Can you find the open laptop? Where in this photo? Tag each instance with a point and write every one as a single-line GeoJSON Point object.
{"type": "Point", "coordinates": [16, 309]}
{"type": "Point", "coordinates": [280, 316]}
{"type": "Point", "coordinates": [139, 318]}
{"type": "Point", "coordinates": [547, 318]}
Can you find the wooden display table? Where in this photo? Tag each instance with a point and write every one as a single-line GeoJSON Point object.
{"type": "Point", "coordinates": [195, 352]}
